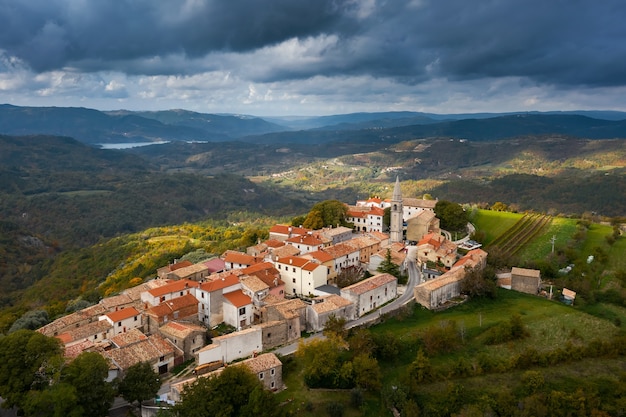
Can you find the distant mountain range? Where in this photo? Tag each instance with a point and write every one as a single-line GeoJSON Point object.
{"type": "Point", "coordinates": [122, 126]}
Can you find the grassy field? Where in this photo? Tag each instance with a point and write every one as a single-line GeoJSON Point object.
{"type": "Point", "coordinates": [550, 324]}
{"type": "Point", "coordinates": [494, 223]}
{"type": "Point", "coordinates": [561, 229]}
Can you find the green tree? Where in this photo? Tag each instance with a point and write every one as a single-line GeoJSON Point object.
{"type": "Point", "coordinates": [388, 266]}
{"type": "Point", "coordinates": [314, 220]}
{"type": "Point", "coordinates": [31, 320]}
{"type": "Point", "coordinates": [452, 216]}
{"type": "Point", "coordinates": [87, 374]}
{"type": "Point", "coordinates": [29, 361]}
{"type": "Point", "coordinates": [480, 283]}
{"type": "Point", "coordinates": [420, 370]}
{"type": "Point", "coordinates": [321, 361]}
{"type": "Point", "coordinates": [140, 383]}
{"type": "Point", "coordinates": [60, 400]}
{"type": "Point", "coordinates": [234, 392]}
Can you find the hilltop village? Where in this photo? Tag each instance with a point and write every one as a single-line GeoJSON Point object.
{"type": "Point", "coordinates": [272, 293]}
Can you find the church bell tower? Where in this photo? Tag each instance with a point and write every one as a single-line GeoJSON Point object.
{"type": "Point", "coordinates": [396, 224]}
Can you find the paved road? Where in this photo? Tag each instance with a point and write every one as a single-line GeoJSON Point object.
{"type": "Point", "coordinates": [415, 278]}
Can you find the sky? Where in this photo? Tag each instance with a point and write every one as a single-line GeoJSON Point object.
{"type": "Point", "coordinates": [314, 57]}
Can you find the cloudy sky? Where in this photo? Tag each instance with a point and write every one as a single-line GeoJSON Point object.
{"type": "Point", "coordinates": [314, 57]}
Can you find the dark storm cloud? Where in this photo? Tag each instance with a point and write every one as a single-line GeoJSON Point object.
{"type": "Point", "coordinates": [50, 34]}
{"type": "Point", "coordinates": [574, 42]}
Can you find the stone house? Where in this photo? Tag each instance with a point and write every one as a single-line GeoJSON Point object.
{"type": "Point", "coordinates": [525, 280]}
{"type": "Point", "coordinates": [422, 224]}
{"type": "Point", "coordinates": [164, 272]}
{"type": "Point", "coordinates": [134, 347]}
{"type": "Point", "coordinates": [268, 368]}
{"type": "Point", "coordinates": [293, 312]}
{"type": "Point", "coordinates": [189, 338]}
{"type": "Point", "coordinates": [179, 308]}
{"type": "Point", "coordinates": [275, 333]}
{"type": "Point", "coordinates": [195, 272]}
{"type": "Point", "coordinates": [437, 249]}
{"type": "Point", "coordinates": [371, 293]}
{"type": "Point", "coordinates": [267, 272]}
{"type": "Point", "coordinates": [322, 308]}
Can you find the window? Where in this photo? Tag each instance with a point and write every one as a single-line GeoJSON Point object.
{"type": "Point", "coordinates": [202, 295]}
{"type": "Point", "coordinates": [181, 293]}
{"type": "Point", "coordinates": [242, 311]}
{"type": "Point", "coordinates": [119, 324]}
{"type": "Point", "coordinates": [272, 371]}
{"type": "Point", "coordinates": [294, 280]}
{"type": "Point", "coordinates": [272, 385]}
{"type": "Point", "coordinates": [269, 335]}
{"type": "Point", "coordinates": [294, 269]}
{"type": "Point", "coordinates": [161, 358]}
{"type": "Point", "coordinates": [261, 375]}
{"type": "Point", "coordinates": [135, 318]}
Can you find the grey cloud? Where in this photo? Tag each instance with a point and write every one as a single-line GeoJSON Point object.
{"type": "Point", "coordinates": [555, 42]}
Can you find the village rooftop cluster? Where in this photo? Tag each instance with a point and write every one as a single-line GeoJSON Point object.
{"type": "Point", "coordinates": [272, 293]}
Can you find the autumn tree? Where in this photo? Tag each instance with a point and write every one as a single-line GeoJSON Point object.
{"type": "Point", "coordinates": [326, 213]}
{"type": "Point", "coordinates": [350, 275]}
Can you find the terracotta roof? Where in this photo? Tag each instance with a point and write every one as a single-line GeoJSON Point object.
{"type": "Point", "coordinates": [220, 283]}
{"type": "Point", "coordinates": [135, 292]}
{"type": "Point", "coordinates": [356, 213]}
{"type": "Point", "coordinates": [363, 242]}
{"type": "Point", "coordinates": [273, 243]}
{"type": "Point", "coordinates": [319, 255]}
{"type": "Point", "coordinates": [283, 229]}
{"type": "Point", "coordinates": [370, 284]}
{"type": "Point", "coordinates": [172, 287]}
{"type": "Point", "coordinates": [239, 258]}
{"type": "Point", "coordinates": [238, 298]}
{"type": "Point", "coordinates": [308, 240]}
{"type": "Point", "coordinates": [296, 261]}
{"type": "Point", "coordinates": [180, 330]}
{"type": "Point", "coordinates": [258, 267]}
{"type": "Point", "coordinates": [253, 283]}
{"type": "Point", "coordinates": [378, 235]}
{"type": "Point", "coordinates": [123, 314]}
{"type": "Point", "coordinates": [340, 249]}
{"type": "Point", "coordinates": [287, 250]}
{"type": "Point", "coordinates": [175, 304]}
{"type": "Point", "coordinates": [180, 264]}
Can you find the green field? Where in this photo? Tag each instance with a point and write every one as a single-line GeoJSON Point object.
{"type": "Point", "coordinates": [561, 229]}
{"type": "Point", "coordinates": [494, 223]}
{"type": "Point", "coordinates": [551, 326]}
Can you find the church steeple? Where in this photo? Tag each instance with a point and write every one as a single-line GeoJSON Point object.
{"type": "Point", "coordinates": [396, 223]}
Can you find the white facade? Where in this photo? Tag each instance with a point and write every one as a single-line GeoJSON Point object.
{"type": "Point", "coordinates": [230, 347]}
{"type": "Point", "coordinates": [371, 293]}
{"type": "Point", "coordinates": [123, 320]}
{"type": "Point", "coordinates": [301, 276]}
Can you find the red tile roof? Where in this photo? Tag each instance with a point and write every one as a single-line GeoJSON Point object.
{"type": "Point", "coordinates": [172, 287]}
{"type": "Point", "coordinates": [305, 240]}
{"type": "Point", "coordinates": [123, 314]}
{"type": "Point", "coordinates": [240, 258]}
{"type": "Point", "coordinates": [220, 283]}
{"type": "Point", "coordinates": [238, 298]}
